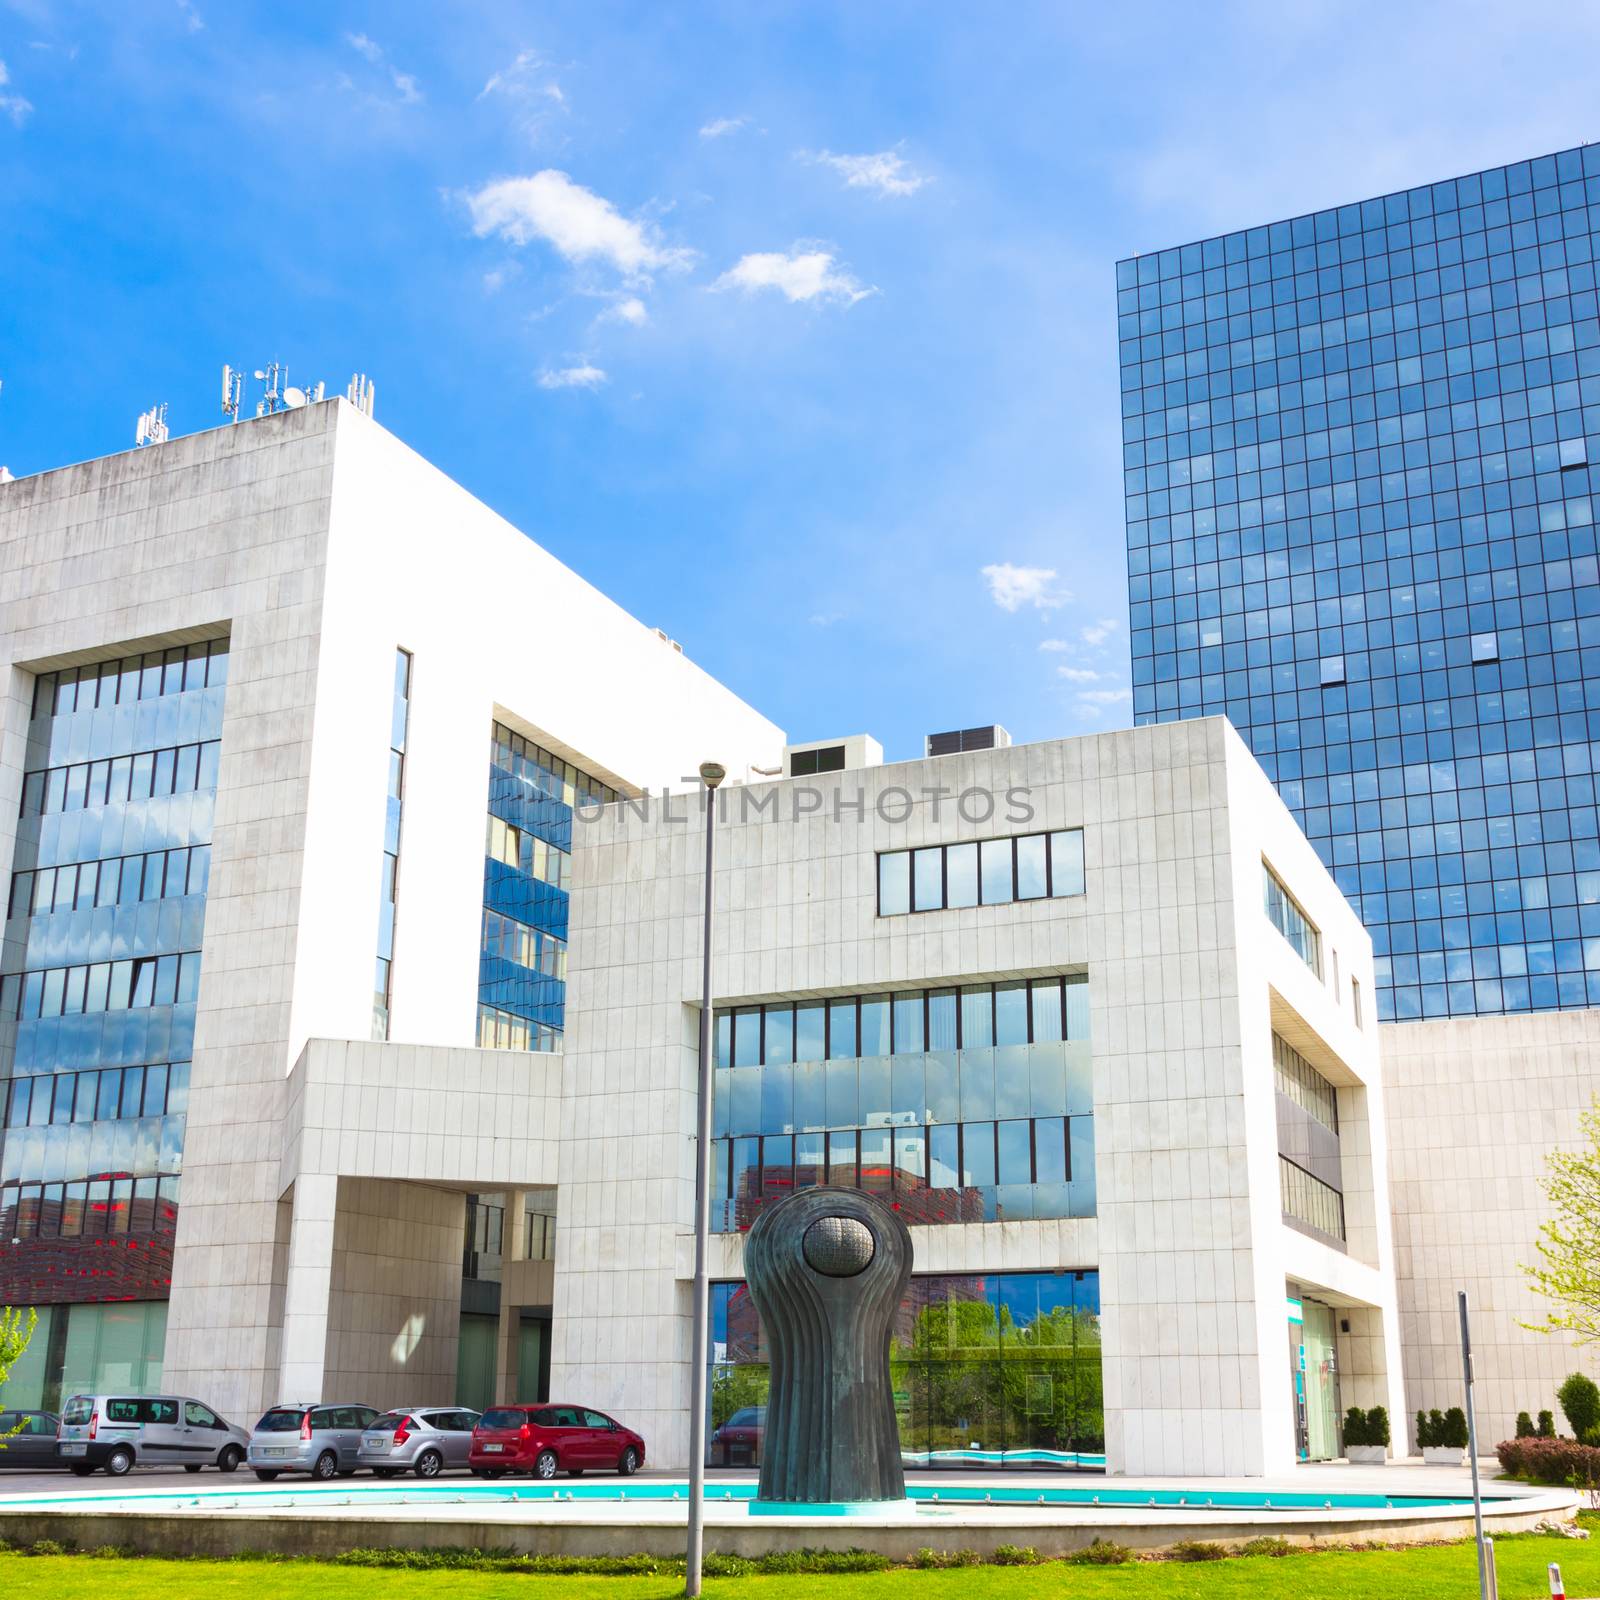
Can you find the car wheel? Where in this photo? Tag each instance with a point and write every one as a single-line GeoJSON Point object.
{"type": "Point", "coordinates": [327, 1466]}
{"type": "Point", "coordinates": [265, 1476]}
{"type": "Point", "coordinates": [629, 1464]}
{"type": "Point", "coordinates": [545, 1466]}
{"type": "Point", "coordinates": [428, 1464]}
{"type": "Point", "coordinates": [79, 1469]}
{"type": "Point", "coordinates": [120, 1462]}
{"type": "Point", "coordinates": [191, 1466]}
{"type": "Point", "coordinates": [230, 1458]}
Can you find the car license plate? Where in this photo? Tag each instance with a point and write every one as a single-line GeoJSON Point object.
{"type": "Point", "coordinates": [493, 1449]}
{"type": "Point", "coordinates": [277, 1452]}
{"type": "Point", "coordinates": [376, 1441]}
{"type": "Point", "coordinates": [74, 1449]}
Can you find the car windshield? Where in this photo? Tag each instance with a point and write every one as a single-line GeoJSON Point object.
{"type": "Point", "coordinates": [749, 1417]}
{"type": "Point", "coordinates": [502, 1417]}
{"type": "Point", "coordinates": [281, 1420]}
{"type": "Point", "coordinates": [389, 1422]}
{"type": "Point", "coordinates": [78, 1410]}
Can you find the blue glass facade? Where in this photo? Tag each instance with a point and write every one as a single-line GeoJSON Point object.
{"type": "Point", "coordinates": [1357, 458]}
{"type": "Point", "coordinates": [522, 964]}
{"type": "Point", "coordinates": [101, 971]}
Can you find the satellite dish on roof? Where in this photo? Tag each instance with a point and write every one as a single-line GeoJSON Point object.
{"type": "Point", "coordinates": [294, 397]}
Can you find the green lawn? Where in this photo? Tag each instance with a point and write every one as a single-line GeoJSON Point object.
{"type": "Point", "coordinates": [1430, 1574]}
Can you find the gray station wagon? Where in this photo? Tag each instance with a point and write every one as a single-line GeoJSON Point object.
{"type": "Point", "coordinates": [320, 1439]}
{"type": "Point", "coordinates": [426, 1440]}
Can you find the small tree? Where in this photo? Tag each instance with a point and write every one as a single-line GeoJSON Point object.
{"type": "Point", "coordinates": [1377, 1426]}
{"type": "Point", "coordinates": [1424, 1432]}
{"type": "Point", "coordinates": [1524, 1425]}
{"type": "Point", "coordinates": [1569, 1272]}
{"type": "Point", "coordinates": [1453, 1432]}
{"type": "Point", "coordinates": [1547, 1424]}
{"type": "Point", "coordinates": [1580, 1401]}
{"type": "Point", "coordinates": [15, 1332]}
{"type": "Point", "coordinates": [1355, 1427]}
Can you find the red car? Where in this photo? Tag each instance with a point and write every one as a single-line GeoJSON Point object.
{"type": "Point", "coordinates": [547, 1439]}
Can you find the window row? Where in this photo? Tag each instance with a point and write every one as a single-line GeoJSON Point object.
{"type": "Point", "coordinates": [1303, 1084]}
{"type": "Point", "coordinates": [906, 1022]}
{"type": "Point", "coordinates": [131, 678]}
{"type": "Point", "coordinates": [505, 1030]}
{"type": "Point", "coordinates": [533, 948]}
{"type": "Point", "coordinates": [102, 986]}
{"type": "Point", "coordinates": [991, 872]}
{"type": "Point", "coordinates": [544, 773]}
{"type": "Point", "coordinates": [400, 713]}
{"type": "Point", "coordinates": [1309, 1200]}
{"type": "Point", "coordinates": [124, 880]}
{"type": "Point", "coordinates": [949, 1172]}
{"type": "Point", "coordinates": [1287, 917]}
{"type": "Point", "coordinates": [96, 1209]}
{"type": "Point", "coordinates": [151, 773]}
{"type": "Point", "coordinates": [107, 1094]}
{"type": "Point", "coordinates": [516, 847]}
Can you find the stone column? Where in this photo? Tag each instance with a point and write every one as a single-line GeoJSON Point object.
{"type": "Point", "coordinates": [307, 1284]}
{"type": "Point", "coordinates": [513, 1245]}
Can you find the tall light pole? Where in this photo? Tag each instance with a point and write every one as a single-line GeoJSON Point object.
{"type": "Point", "coordinates": [711, 774]}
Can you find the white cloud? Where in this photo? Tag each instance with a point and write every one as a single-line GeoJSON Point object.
{"type": "Point", "coordinates": [192, 18]}
{"type": "Point", "coordinates": [721, 127]}
{"type": "Point", "coordinates": [517, 81]}
{"type": "Point", "coordinates": [405, 84]}
{"type": "Point", "coordinates": [885, 173]}
{"type": "Point", "coordinates": [1012, 587]}
{"type": "Point", "coordinates": [576, 221]}
{"type": "Point", "coordinates": [583, 376]}
{"type": "Point", "coordinates": [631, 311]}
{"type": "Point", "coordinates": [1099, 632]}
{"type": "Point", "coordinates": [1056, 644]}
{"type": "Point", "coordinates": [1093, 701]}
{"type": "Point", "coordinates": [797, 275]}
{"type": "Point", "coordinates": [1078, 674]}
{"type": "Point", "coordinates": [13, 105]}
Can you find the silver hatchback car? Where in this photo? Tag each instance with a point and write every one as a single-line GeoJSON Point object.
{"type": "Point", "coordinates": [321, 1440]}
{"type": "Point", "coordinates": [426, 1440]}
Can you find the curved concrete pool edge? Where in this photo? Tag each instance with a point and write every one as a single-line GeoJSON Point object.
{"type": "Point", "coordinates": [271, 1522]}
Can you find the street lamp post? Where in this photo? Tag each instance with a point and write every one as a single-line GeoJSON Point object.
{"type": "Point", "coordinates": [711, 774]}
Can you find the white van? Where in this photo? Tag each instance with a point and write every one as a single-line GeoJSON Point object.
{"type": "Point", "coordinates": [120, 1431]}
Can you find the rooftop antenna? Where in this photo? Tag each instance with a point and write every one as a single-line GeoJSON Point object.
{"type": "Point", "coordinates": [151, 427]}
{"type": "Point", "coordinates": [273, 400]}
{"type": "Point", "coordinates": [361, 393]}
{"type": "Point", "coordinates": [232, 392]}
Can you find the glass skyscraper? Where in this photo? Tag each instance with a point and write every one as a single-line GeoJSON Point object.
{"type": "Point", "coordinates": [1356, 449]}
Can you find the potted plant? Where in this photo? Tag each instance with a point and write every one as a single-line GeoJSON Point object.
{"type": "Point", "coordinates": [1366, 1436]}
{"type": "Point", "coordinates": [1447, 1438]}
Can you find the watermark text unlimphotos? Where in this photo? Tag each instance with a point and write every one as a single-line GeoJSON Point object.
{"type": "Point", "coordinates": [796, 802]}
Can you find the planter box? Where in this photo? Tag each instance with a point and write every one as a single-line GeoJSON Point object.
{"type": "Point", "coordinates": [1444, 1456]}
{"type": "Point", "coordinates": [1366, 1455]}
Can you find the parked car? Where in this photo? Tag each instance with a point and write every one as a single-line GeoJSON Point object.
{"type": "Point", "coordinates": [33, 1441]}
{"type": "Point", "coordinates": [319, 1439]}
{"type": "Point", "coordinates": [546, 1439]}
{"type": "Point", "coordinates": [426, 1440]}
{"type": "Point", "coordinates": [737, 1443]}
{"type": "Point", "coordinates": [120, 1432]}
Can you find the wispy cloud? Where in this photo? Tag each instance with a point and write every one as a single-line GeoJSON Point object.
{"type": "Point", "coordinates": [721, 127]}
{"type": "Point", "coordinates": [1095, 703]}
{"type": "Point", "coordinates": [528, 78]}
{"type": "Point", "coordinates": [1098, 632]}
{"type": "Point", "coordinates": [886, 172]}
{"type": "Point", "coordinates": [408, 92]}
{"type": "Point", "coordinates": [1078, 674]}
{"type": "Point", "coordinates": [1011, 587]}
{"type": "Point", "coordinates": [630, 310]}
{"type": "Point", "coordinates": [191, 18]}
{"type": "Point", "coordinates": [13, 105]}
{"type": "Point", "coordinates": [798, 275]}
{"type": "Point", "coordinates": [582, 376]}
{"type": "Point", "coordinates": [577, 223]}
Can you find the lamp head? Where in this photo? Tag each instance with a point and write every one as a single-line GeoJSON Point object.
{"type": "Point", "coordinates": [712, 773]}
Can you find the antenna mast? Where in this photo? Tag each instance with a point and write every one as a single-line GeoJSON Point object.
{"type": "Point", "coordinates": [151, 427]}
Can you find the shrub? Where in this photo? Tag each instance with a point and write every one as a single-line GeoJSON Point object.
{"type": "Point", "coordinates": [1547, 1424]}
{"type": "Point", "coordinates": [1424, 1432]}
{"type": "Point", "coordinates": [1377, 1426]}
{"type": "Point", "coordinates": [1266, 1546]}
{"type": "Point", "coordinates": [963, 1558]}
{"type": "Point", "coordinates": [1101, 1553]}
{"type": "Point", "coordinates": [1453, 1435]}
{"type": "Point", "coordinates": [1197, 1550]}
{"type": "Point", "coordinates": [1580, 1403]}
{"type": "Point", "coordinates": [1559, 1462]}
{"type": "Point", "coordinates": [1524, 1425]}
{"type": "Point", "coordinates": [1015, 1555]}
{"type": "Point", "coordinates": [1436, 1428]}
{"type": "Point", "coordinates": [1355, 1426]}
{"type": "Point", "coordinates": [46, 1547]}
{"type": "Point", "coordinates": [926, 1558]}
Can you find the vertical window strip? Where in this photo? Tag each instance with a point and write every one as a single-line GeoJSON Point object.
{"type": "Point", "coordinates": [394, 804]}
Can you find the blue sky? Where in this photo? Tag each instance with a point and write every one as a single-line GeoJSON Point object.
{"type": "Point", "coordinates": [790, 326]}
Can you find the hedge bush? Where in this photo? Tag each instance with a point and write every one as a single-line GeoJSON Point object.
{"type": "Point", "coordinates": [1524, 1425]}
{"type": "Point", "coordinates": [1453, 1435]}
{"type": "Point", "coordinates": [1579, 1399]}
{"type": "Point", "coordinates": [1555, 1461]}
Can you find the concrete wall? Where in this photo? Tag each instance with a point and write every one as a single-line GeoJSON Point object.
{"type": "Point", "coordinates": [1474, 1106]}
{"type": "Point", "coordinates": [1185, 977]}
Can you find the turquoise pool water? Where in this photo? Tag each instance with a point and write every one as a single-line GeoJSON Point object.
{"type": "Point", "coordinates": [655, 1491]}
